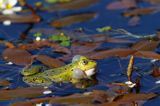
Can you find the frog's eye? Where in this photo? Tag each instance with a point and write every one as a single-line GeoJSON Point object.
{"type": "Point", "coordinates": [76, 58]}
{"type": "Point", "coordinates": [85, 62]}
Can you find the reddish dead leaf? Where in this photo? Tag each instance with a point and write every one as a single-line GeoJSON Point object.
{"type": "Point", "coordinates": [49, 61]}
{"type": "Point", "coordinates": [147, 54]}
{"type": "Point", "coordinates": [145, 45]}
{"type": "Point", "coordinates": [139, 11]}
{"type": "Point", "coordinates": [155, 72]}
{"type": "Point", "coordinates": [29, 92]}
{"type": "Point", "coordinates": [31, 102]}
{"type": "Point", "coordinates": [72, 99]}
{"type": "Point", "coordinates": [68, 20]}
{"type": "Point", "coordinates": [17, 56]}
{"type": "Point", "coordinates": [75, 4]}
{"type": "Point", "coordinates": [20, 18]}
{"type": "Point", "coordinates": [4, 83]}
{"type": "Point", "coordinates": [120, 52]}
{"type": "Point", "coordinates": [129, 98]}
{"type": "Point", "coordinates": [84, 47]}
{"type": "Point", "coordinates": [40, 44]}
{"type": "Point", "coordinates": [122, 4]}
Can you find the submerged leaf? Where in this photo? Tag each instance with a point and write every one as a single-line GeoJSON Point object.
{"type": "Point", "coordinates": [17, 56]}
{"type": "Point", "coordinates": [68, 20]}
{"type": "Point", "coordinates": [30, 92]}
{"type": "Point", "coordinates": [49, 61]}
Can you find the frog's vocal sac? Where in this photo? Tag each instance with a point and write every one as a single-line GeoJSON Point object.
{"type": "Point", "coordinates": [80, 68]}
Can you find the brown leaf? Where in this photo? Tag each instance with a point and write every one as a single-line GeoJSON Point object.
{"type": "Point", "coordinates": [139, 11]}
{"type": "Point", "coordinates": [4, 83]}
{"type": "Point", "coordinates": [129, 98]}
{"type": "Point", "coordinates": [49, 61]}
{"type": "Point", "coordinates": [76, 98]}
{"type": "Point", "coordinates": [123, 4]}
{"type": "Point", "coordinates": [84, 47]}
{"type": "Point", "coordinates": [75, 4]}
{"type": "Point", "coordinates": [29, 92]}
{"type": "Point", "coordinates": [31, 102]}
{"type": "Point", "coordinates": [155, 72]}
{"type": "Point", "coordinates": [121, 52]}
{"type": "Point", "coordinates": [68, 20]}
{"type": "Point", "coordinates": [145, 45]}
{"type": "Point", "coordinates": [147, 54]}
{"type": "Point", "coordinates": [40, 44]}
{"type": "Point", "coordinates": [20, 18]}
{"type": "Point", "coordinates": [17, 56]}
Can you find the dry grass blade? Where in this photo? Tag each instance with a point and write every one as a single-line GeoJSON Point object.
{"type": "Point", "coordinates": [130, 68]}
{"type": "Point", "coordinates": [49, 61]}
{"type": "Point", "coordinates": [30, 92]}
{"type": "Point", "coordinates": [68, 20]}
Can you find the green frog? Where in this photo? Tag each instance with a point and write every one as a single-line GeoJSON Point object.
{"type": "Point", "coordinates": [80, 68]}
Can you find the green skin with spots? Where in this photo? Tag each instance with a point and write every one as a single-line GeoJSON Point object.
{"type": "Point", "coordinates": [61, 74]}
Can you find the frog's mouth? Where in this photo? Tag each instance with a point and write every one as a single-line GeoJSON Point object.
{"type": "Point", "coordinates": [90, 72]}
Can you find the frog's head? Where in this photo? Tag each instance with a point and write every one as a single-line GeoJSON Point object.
{"type": "Point", "coordinates": [85, 65]}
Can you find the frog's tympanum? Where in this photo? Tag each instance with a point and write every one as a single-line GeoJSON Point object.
{"type": "Point", "coordinates": [80, 68]}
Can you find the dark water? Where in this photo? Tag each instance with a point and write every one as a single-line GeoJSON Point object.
{"type": "Point", "coordinates": [109, 69]}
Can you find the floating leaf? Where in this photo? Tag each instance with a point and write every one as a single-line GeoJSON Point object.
{"type": "Point", "coordinates": [75, 4]}
{"type": "Point", "coordinates": [134, 21]}
{"type": "Point", "coordinates": [129, 98]}
{"type": "Point", "coordinates": [49, 61]}
{"type": "Point", "coordinates": [145, 45]}
{"type": "Point", "coordinates": [120, 52]}
{"type": "Point", "coordinates": [31, 102]}
{"type": "Point", "coordinates": [122, 4]}
{"type": "Point", "coordinates": [68, 20]}
{"type": "Point", "coordinates": [40, 44]}
{"type": "Point", "coordinates": [17, 56]}
{"type": "Point", "coordinates": [140, 11]}
{"type": "Point", "coordinates": [20, 18]}
{"type": "Point", "coordinates": [147, 54]}
{"type": "Point", "coordinates": [29, 92]}
{"type": "Point", "coordinates": [4, 83]}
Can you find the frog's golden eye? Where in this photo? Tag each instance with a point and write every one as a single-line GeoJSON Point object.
{"type": "Point", "coordinates": [85, 62]}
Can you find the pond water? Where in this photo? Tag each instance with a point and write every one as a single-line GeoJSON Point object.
{"type": "Point", "coordinates": [112, 69]}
